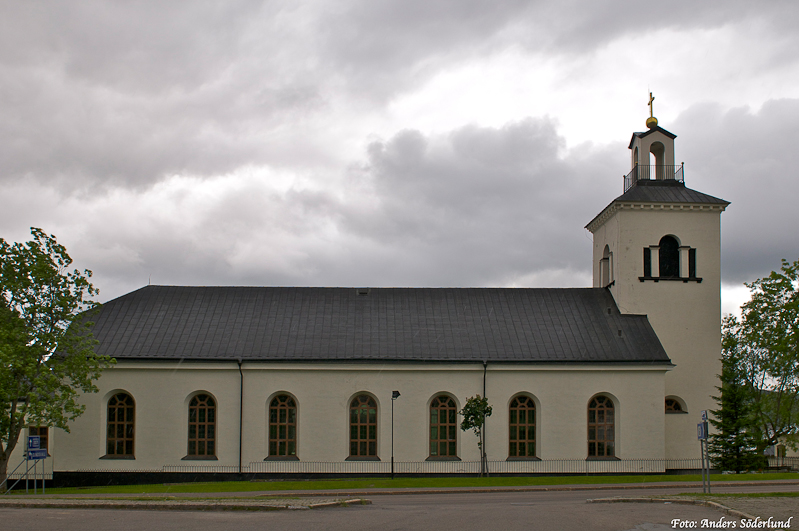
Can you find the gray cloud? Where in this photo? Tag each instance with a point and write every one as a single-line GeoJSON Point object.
{"type": "Point", "coordinates": [746, 157]}
{"type": "Point", "coordinates": [473, 207]}
{"type": "Point", "coordinates": [102, 94]}
{"type": "Point", "coordinates": [123, 122]}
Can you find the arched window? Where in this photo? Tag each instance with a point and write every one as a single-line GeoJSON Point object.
{"type": "Point", "coordinates": [443, 427]}
{"type": "Point", "coordinates": [522, 427]}
{"type": "Point", "coordinates": [363, 427]}
{"type": "Point", "coordinates": [673, 406]}
{"type": "Point", "coordinates": [202, 426]}
{"type": "Point", "coordinates": [669, 257]}
{"type": "Point", "coordinates": [120, 426]}
{"type": "Point", "coordinates": [282, 427]}
{"type": "Point", "coordinates": [42, 433]}
{"type": "Point", "coordinates": [601, 427]}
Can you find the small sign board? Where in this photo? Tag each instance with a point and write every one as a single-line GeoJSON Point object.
{"type": "Point", "coordinates": [34, 442]}
{"type": "Point", "coordinates": [35, 455]}
{"type": "Point", "coordinates": [701, 431]}
{"type": "Point", "coordinates": [704, 414]}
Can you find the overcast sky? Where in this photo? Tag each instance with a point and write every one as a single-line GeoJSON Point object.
{"type": "Point", "coordinates": [385, 143]}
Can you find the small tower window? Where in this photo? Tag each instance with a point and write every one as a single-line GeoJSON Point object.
{"type": "Point", "coordinates": [673, 406]}
{"type": "Point", "coordinates": [669, 257]}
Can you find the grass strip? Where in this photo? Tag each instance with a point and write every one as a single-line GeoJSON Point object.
{"type": "Point", "coordinates": [404, 483]}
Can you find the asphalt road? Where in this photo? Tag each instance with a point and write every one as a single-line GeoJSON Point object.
{"type": "Point", "coordinates": [462, 511]}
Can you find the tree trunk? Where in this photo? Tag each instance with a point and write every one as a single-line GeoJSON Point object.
{"type": "Point", "coordinates": [4, 471]}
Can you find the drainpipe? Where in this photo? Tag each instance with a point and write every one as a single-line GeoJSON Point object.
{"type": "Point", "coordinates": [482, 432]}
{"type": "Point", "coordinates": [241, 407]}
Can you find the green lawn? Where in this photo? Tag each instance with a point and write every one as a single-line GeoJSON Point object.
{"type": "Point", "coordinates": [744, 495]}
{"type": "Point", "coordinates": [400, 483]}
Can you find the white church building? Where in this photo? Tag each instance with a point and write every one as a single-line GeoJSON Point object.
{"type": "Point", "coordinates": [288, 381]}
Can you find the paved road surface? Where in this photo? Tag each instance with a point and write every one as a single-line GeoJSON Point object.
{"type": "Point", "coordinates": [506, 511]}
{"type": "Point", "coordinates": [556, 510]}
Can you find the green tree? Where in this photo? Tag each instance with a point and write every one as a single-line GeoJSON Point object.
{"type": "Point", "coordinates": [764, 343]}
{"type": "Point", "coordinates": [46, 346]}
{"type": "Point", "coordinates": [474, 414]}
{"type": "Point", "coordinates": [733, 446]}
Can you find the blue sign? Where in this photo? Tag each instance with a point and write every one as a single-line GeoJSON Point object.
{"type": "Point", "coordinates": [35, 455]}
{"type": "Point", "coordinates": [701, 431]}
{"type": "Point", "coordinates": [34, 442]}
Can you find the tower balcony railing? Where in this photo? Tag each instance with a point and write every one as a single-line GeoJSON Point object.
{"type": "Point", "coordinates": [659, 172]}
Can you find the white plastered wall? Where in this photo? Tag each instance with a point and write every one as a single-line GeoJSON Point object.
{"type": "Point", "coordinates": [323, 392]}
{"type": "Point", "coordinates": [685, 315]}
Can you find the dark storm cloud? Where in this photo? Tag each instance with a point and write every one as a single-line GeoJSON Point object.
{"type": "Point", "coordinates": [747, 158]}
{"type": "Point", "coordinates": [104, 94]}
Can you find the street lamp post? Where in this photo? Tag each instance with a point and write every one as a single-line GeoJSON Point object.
{"type": "Point", "coordinates": [394, 395]}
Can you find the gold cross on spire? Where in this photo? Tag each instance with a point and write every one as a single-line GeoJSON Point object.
{"type": "Point", "coordinates": [651, 122]}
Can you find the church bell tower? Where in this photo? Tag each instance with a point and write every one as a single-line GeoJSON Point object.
{"type": "Point", "coordinates": [657, 249]}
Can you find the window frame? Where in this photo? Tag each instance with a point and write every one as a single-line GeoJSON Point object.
{"type": "Point", "coordinates": [362, 428]}
{"type": "Point", "coordinates": [434, 427]}
{"type": "Point", "coordinates": [278, 403]}
{"type": "Point", "coordinates": [530, 428]}
{"type": "Point", "coordinates": [202, 427]}
{"type": "Point", "coordinates": [44, 440]}
{"type": "Point", "coordinates": [600, 422]}
{"type": "Point", "coordinates": [127, 438]}
{"type": "Point", "coordinates": [679, 410]}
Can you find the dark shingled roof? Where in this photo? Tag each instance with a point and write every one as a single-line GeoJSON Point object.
{"type": "Point", "coordinates": [655, 191]}
{"type": "Point", "coordinates": [642, 134]}
{"type": "Point", "coordinates": [668, 191]}
{"type": "Point", "coordinates": [385, 324]}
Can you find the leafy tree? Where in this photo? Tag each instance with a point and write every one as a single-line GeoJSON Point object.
{"type": "Point", "coordinates": [764, 344]}
{"type": "Point", "coordinates": [474, 414]}
{"type": "Point", "coordinates": [46, 346]}
{"type": "Point", "coordinates": [733, 446]}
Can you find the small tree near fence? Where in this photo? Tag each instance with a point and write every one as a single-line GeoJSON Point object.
{"type": "Point", "coordinates": [474, 414]}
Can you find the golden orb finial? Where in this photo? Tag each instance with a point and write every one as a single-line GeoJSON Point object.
{"type": "Point", "coordinates": [651, 122]}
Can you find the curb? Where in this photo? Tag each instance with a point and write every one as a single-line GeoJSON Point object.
{"type": "Point", "coordinates": [179, 506]}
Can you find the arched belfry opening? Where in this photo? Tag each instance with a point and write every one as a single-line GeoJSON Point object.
{"type": "Point", "coordinates": [657, 153]}
{"type": "Point", "coordinates": [653, 156]}
{"type": "Point", "coordinates": [606, 268]}
{"type": "Point", "coordinates": [669, 257]}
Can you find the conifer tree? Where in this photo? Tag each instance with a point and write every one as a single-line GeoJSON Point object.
{"type": "Point", "coordinates": [733, 446]}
